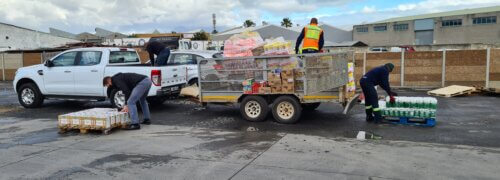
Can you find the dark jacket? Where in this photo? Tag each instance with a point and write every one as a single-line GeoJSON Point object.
{"type": "Point", "coordinates": [379, 76]}
{"type": "Point", "coordinates": [301, 37]}
{"type": "Point", "coordinates": [154, 48]}
{"type": "Point", "coordinates": [127, 82]}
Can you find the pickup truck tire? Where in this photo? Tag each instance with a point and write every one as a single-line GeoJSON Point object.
{"type": "Point", "coordinates": [156, 101]}
{"type": "Point", "coordinates": [310, 106]}
{"type": "Point", "coordinates": [117, 99]}
{"type": "Point", "coordinates": [286, 110]}
{"type": "Point", "coordinates": [254, 108]}
{"type": "Point", "coordinates": [30, 96]}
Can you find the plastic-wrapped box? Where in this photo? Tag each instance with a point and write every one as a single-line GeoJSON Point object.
{"type": "Point", "coordinates": [94, 119]}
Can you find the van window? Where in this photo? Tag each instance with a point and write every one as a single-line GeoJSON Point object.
{"type": "Point", "coordinates": [123, 57]}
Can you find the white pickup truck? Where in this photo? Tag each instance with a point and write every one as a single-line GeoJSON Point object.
{"type": "Point", "coordinates": [77, 75]}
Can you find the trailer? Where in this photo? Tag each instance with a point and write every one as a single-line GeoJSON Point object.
{"type": "Point", "coordinates": [284, 85]}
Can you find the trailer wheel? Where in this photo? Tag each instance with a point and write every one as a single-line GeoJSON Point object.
{"type": "Point", "coordinates": [310, 106]}
{"type": "Point", "coordinates": [286, 110]}
{"type": "Point", "coordinates": [254, 108]}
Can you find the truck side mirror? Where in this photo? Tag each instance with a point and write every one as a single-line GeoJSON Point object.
{"type": "Point", "coordinates": [203, 62]}
{"type": "Point", "coordinates": [49, 63]}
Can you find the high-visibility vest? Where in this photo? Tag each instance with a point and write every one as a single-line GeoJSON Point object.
{"type": "Point", "coordinates": [311, 37]}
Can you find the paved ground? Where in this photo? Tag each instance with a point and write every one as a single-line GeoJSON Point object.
{"type": "Point", "coordinates": [185, 143]}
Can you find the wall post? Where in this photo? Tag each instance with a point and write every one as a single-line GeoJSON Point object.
{"type": "Point", "coordinates": [488, 59]}
{"type": "Point", "coordinates": [3, 66]}
{"type": "Point", "coordinates": [364, 64]}
{"type": "Point", "coordinates": [443, 70]}
{"type": "Point", "coordinates": [402, 68]}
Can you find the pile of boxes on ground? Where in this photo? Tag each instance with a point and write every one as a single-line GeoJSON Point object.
{"type": "Point", "coordinates": [93, 119]}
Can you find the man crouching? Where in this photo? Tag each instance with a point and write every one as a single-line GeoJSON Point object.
{"type": "Point", "coordinates": [136, 88]}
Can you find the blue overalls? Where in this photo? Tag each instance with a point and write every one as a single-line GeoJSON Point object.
{"type": "Point", "coordinates": [377, 76]}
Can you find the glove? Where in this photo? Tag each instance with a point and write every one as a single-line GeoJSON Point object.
{"type": "Point", "coordinates": [296, 51]}
{"type": "Point", "coordinates": [393, 100]}
{"type": "Point", "coordinates": [394, 94]}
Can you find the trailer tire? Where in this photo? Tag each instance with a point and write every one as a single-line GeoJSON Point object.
{"type": "Point", "coordinates": [254, 108]}
{"type": "Point", "coordinates": [286, 110]}
{"type": "Point", "coordinates": [310, 106]}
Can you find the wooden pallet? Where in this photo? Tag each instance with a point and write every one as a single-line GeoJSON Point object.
{"type": "Point", "coordinates": [492, 90]}
{"type": "Point", "coordinates": [452, 91]}
{"type": "Point", "coordinates": [82, 130]}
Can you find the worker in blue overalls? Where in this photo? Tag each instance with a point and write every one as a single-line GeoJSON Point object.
{"type": "Point", "coordinates": [377, 76]}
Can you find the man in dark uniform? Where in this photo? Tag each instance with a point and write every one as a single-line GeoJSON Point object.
{"type": "Point", "coordinates": [136, 88]}
{"type": "Point", "coordinates": [377, 76]}
{"type": "Point", "coordinates": [160, 50]}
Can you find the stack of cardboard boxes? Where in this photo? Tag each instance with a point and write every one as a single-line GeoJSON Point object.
{"type": "Point", "coordinates": [287, 81]}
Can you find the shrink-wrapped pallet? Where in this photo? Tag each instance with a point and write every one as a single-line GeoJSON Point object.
{"type": "Point", "coordinates": [93, 119]}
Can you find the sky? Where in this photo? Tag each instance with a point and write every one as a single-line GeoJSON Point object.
{"type": "Point", "coordinates": [144, 16]}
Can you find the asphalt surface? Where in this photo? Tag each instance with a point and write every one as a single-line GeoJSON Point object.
{"type": "Point", "coordinates": [469, 120]}
{"type": "Point", "coordinates": [186, 142]}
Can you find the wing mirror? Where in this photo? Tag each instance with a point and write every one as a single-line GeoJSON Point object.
{"type": "Point", "coordinates": [203, 62]}
{"type": "Point", "coordinates": [49, 63]}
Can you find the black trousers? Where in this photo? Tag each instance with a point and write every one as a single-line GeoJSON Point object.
{"type": "Point", "coordinates": [371, 96]}
{"type": "Point", "coordinates": [308, 51]}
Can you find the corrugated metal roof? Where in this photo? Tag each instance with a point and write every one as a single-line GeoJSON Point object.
{"type": "Point", "coordinates": [443, 14]}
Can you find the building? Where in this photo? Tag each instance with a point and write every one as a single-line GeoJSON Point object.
{"type": "Point", "coordinates": [468, 26]}
{"type": "Point", "coordinates": [15, 38]}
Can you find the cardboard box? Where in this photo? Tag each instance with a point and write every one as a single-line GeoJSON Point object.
{"type": "Point", "coordinates": [97, 118]}
{"type": "Point", "coordinates": [288, 88]}
{"type": "Point", "coordinates": [265, 90]}
{"type": "Point", "coordinates": [276, 90]}
{"type": "Point", "coordinates": [274, 79]}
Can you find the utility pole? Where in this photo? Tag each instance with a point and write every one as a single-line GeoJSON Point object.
{"type": "Point", "coordinates": [214, 21]}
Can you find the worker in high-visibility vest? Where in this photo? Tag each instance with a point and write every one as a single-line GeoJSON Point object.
{"type": "Point", "coordinates": [312, 38]}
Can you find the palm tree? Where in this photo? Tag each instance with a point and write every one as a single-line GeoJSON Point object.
{"type": "Point", "coordinates": [248, 23]}
{"type": "Point", "coordinates": [286, 22]}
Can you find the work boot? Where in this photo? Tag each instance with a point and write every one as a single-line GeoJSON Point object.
{"type": "Point", "coordinates": [378, 117]}
{"type": "Point", "coordinates": [369, 115]}
{"type": "Point", "coordinates": [133, 127]}
{"type": "Point", "coordinates": [146, 122]}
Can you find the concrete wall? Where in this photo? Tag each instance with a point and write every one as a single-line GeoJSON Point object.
{"type": "Point", "coordinates": [25, 39]}
{"type": "Point", "coordinates": [468, 33]}
{"type": "Point", "coordinates": [425, 69]}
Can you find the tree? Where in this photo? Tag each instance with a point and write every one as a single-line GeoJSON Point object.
{"type": "Point", "coordinates": [248, 23]}
{"type": "Point", "coordinates": [201, 36]}
{"type": "Point", "coordinates": [286, 22]}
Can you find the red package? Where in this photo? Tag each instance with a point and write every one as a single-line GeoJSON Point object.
{"type": "Point", "coordinates": [255, 87]}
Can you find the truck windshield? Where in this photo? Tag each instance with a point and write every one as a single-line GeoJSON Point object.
{"type": "Point", "coordinates": [123, 57]}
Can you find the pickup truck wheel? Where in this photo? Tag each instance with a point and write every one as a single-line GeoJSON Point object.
{"type": "Point", "coordinates": [117, 99]}
{"type": "Point", "coordinates": [310, 106]}
{"type": "Point", "coordinates": [30, 96]}
{"type": "Point", "coordinates": [286, 110]}
{"type": "Point", "coordinates": [254, 108]}
{"type": "Point", "coordinates": [156, 101]}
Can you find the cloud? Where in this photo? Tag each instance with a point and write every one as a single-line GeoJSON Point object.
{"type": "Point", "coordinates": [369, 9]}
{"type": "Point", "coordinates": [183, 15]}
